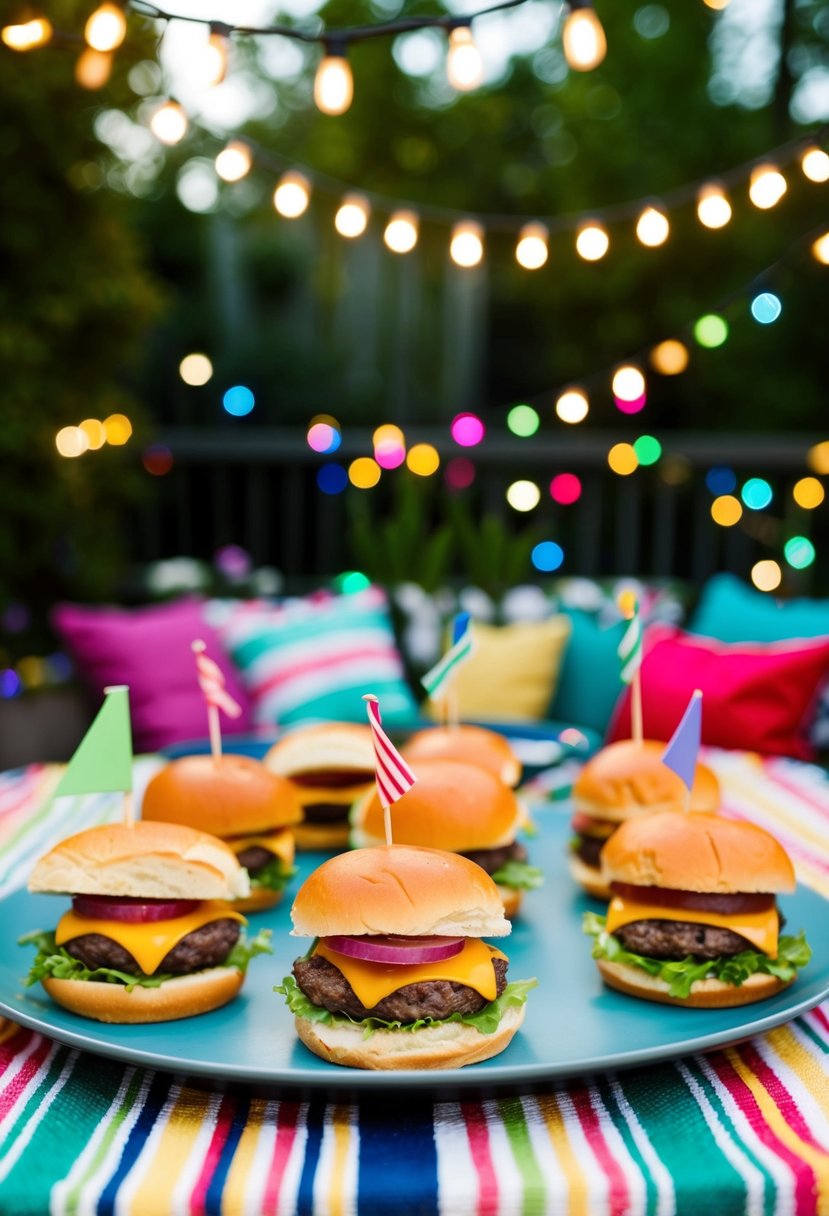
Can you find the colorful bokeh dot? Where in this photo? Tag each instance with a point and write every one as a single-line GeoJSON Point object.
{"type": "Point", "coordinates": [423, 459]}
{"type": "Point", "coordinates": [766, 575]}
{"type": "Point", "coordinates": [766, 308]}
{"type": "Point", "coordinates": [523, 495]}
{"type": "Point", "coordinates": [623, 459]}
{"type": "Point", "coordinates": [565, 488]}
{"type": "Point", "coordinates": [572, 406]}
{"type": "Point", "coordinates": [669, 358]}
{"type": "Point", "coordinates": [352, 581]}
{"type": "Point", "coordinates": [467, 430]}
{"type": "Point", "coordinates": [808, 493]}
{"type": "Point", "coordinates": [721, 480]}
{"type": "Point", "coordinates": [323, 437]}
{"type": "Point", "coordinates": [711, 330]}
{"type": "Point", "coordinates": [756, 493]}
{"type": "Point", "coordinates": [523, 421]}
{"type": "Point", "coordinates": [332, 478]}
{"type": "Point", "coordinates": [364, 473]}
{"type": "Point", "coordinates": [238, 400]}
{"type": "Point", "coordinates": [726, 510]}
{"type": "Point", "coordinates": [547, 556]}
{"type": "Point", "coordinates": [799, 552]}
{"type": "Point", "coordinates": [818, 458]}
{"type": "Point", "coordinates": [157, 459]}
{"type": "Point", "coordinates": [459, 473]}
{"type": "Point", "coordinates": [648, 449]}
{"type": "Point", "coordinates": [389, 455]}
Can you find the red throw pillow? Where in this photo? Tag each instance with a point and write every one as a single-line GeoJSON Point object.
{"type": "Point", "coordinates": [756, 697]}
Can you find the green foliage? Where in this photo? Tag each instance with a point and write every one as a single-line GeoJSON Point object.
{"type": "Point", "coordinates": [404, 545]}
{"type": "Point", "coordinates": [492, 555]}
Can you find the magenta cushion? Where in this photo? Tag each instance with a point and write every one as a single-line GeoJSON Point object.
{"type": "Point", "coordinates": [756, 696]}
{"type": "Point", "coordinates": [149, 649]}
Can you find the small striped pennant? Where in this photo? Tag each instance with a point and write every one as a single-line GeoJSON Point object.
{"type": "Point", "coordinates": [462, 647]}
{"type": "Point", "coordinates": [212, 682]}
{"type": "Point", "coordinates": [392, 773]}
{"type": "Point", "coordinates": [630, 647]}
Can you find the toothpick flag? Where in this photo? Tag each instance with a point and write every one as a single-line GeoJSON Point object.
{"type": "Point", "coordinates": [391, 772]}
{"type": "Point", "coordinates": [435, 681]}
{"type": "Point", "coordinates": [681, 753]}
{"type": "Point", "coordinates": [102, 762]}
{"type": "Point", "coordinates": [212, 683]}
{"type": "Point", "coordinates": [630, 647]}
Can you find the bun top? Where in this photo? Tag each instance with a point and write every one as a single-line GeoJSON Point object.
{"type": "Point", "coordinates": [330, 747]}
{"type": "Point", "coordinates": [229, 796]}
{"type": "Point", "coordinates": [627, 777]}
{"type": "Point", "coordinates": [147, 860]}
{"type": "Point", "coordinates": [470, 744]}
{"type": "Point", "coordinates": [399, 889]}
{"type": "Point", "coordinates": [697, 852]}
{"type": "Point", "coordinates": [451, 806]}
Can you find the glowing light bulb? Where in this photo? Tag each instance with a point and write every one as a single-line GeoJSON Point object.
{"type": "Point", "coordinates": [400, 234]}
{"type": "Point", "coordinates": [95, 432]}
{"type": "Point", "coordinates": [572, 406]}
{"type": "Point", "coordinates": [669, 358]}
{"type": "Point", "coordinates": [766, 575]}
{"type": "Point", "coordinates": [466, 245]}
{"type": "Point", "coordinates": [363, 473]}
{"type": "Point", "coordinates": [808, 493]}
{"type": "Point", "coordinates": [93, 68]}
{"type": "Point", "coordinates": [423, 459]}
{"type": "Point", "coordinates": [212, 67]}
{"type": "Point", "coordinates": [352, 215]}
{"type": "Point", "coordinates": [815, 165]}
{"type": "Point", "coordinates": [464, 67]}
{"type": "Point", "coordinates": [531, 252]}
{"type": "Point", "coordinates": [28, 35]}
{"type": "Point", "coordinates": [169, 123]}
{"type": "Point", "coordinates": [726, 510]}
{"type": "Point", "coordinates": [106, 28]}
{"type": "Point", "coordinates": [820, 249]}
{"type": "Point", "coordinates": [622, 459]}
{"type": "Point", "coordinates": [713, 207]}
{"type": "Point", "coordinates": [118, 429]}
{"type": "Point", "coordinates": [585, 45]}
{"type": "Point", "coordinates": [766, 187]}
{"type": "Point", "coordinates": [195, 370]}
{"type": "Point", "coordinates": [628, 383]}
{"type": "Point", "coordinates": [234, 161]}
{"type": "Point", "coordinates": [817, 458]}
{"type": "Point", "coordinates": [71, 441]}
{"type": "Point", "coordinates": [292, 196]}
{"type": "Point", "coordinates": [652, 227]}
{"type": "Point", "coordinates": [592, 242]}
{"type": "Point", "coordinates": [334, 82]}
{"type": "Point", "coordinates": [523, 495]}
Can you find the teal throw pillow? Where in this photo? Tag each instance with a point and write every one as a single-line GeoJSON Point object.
{"type": "Point", "coordinates": [589, 682]}
{"type": "Point", "coordinates": [731, 611]}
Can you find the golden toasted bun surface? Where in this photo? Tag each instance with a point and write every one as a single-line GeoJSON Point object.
{"type": "Point", "coordinates": [589, 877]}
{"type": "Point", "coordinates": [451, 805]}
{"type": "Point", "coordinates": [228, 796]}
{"type": "Point", "coordinates": [627, 777]}
{"type": "Point", "coordinates": [705, 994]}
{"type": "Point", "coordinates": [343, 747]}
{"type": "Point", "coordinates": [697, 852]}
{"type": "Point", "coordinates": [330, 836]}
{"type": "Point", "coordinates": [399, 889]}
{"type": "Point", "coordinates": [181, 997]}
{"type": "Point", "coordinates": [153, 860]}
{"type": "Point", "coordinates": [469, 744]}
{"type": "Point", "coordinates": [444, 1045]}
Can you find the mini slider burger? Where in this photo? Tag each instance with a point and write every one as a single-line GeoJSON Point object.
{"type": "Point", "coordinates": [397, 976]}
{"type": "Point", "coordinates": [622, 781]}
{"type": "Point", "coordinates": [693, 918]}
{"type": "Point", "coordinates": [469, 744]}
{"type": "Point", "coordinates": [243, 803]}
{"type": "Point", "coordinates": [461, 808]}
{"type": "Point", "coordinates": [330, 766]}
{"type": "Point", "coordinates": [149, 937]}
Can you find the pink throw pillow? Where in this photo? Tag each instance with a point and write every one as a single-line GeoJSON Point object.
{"type": "Point", "coordinates": [756, 696]}
{"type": "Point", "coordinates": [149, 649]}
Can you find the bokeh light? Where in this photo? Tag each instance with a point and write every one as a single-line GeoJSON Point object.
{"type": "Point", "coordinates": [292, 195]}
{"type": "Point", "coordinates": [630, 407]}
{"type": "Point", "coordinates": [817, 458]}
{"type": "Point", "coordinates": [459, 473]}
{"type": "Point", "coordinates": [675, 470]}
{"type": "Point", "coordinates": [756, 493]}
{"type": "Point", "coordinates": [820, 249]}
{"type": "Point", "coordinates": [27, 35]}
{"type": "Point", "coordinates": [726, 510]}
{"type": "Point", "coordinates": [467, 430]}
{"type": "Point", "coordinates": [388, 433]}
{"type": "Point", "coordinates": [565, 488]}
{"type": "Point", "coordinates": [234, 562]}
{"type": "Point", "coordinates": [71, 441]}
{"type": "Point", "coordinates": [815, 164]}
{"type": "Point", "coordinates": [238, 400]}
{"type": "Point", "coordinates": [592, 242]}
{"type": "Point", "coordinates": [799, 552]}
{"type": "Point", "coordinates": [400, 234]}
{"type": "Point", "coordinates": [157, 459]}
{"type": "Point", "coordinates": [766, 307]}
{"type": "Point", "coordinates": [389, 455]}
{"type": "Point", "coordinates": [669, 358]}
{"type": "Point", "coordinates": [713, 207]}
{"type": "Point", "coordinates": [572, 406]}
{"type": "Point", "coordinates": [628, 383]}
{"type": "Point", "coordinates": [351, 219]}
{"type": "Point", "coordinates": [169, 123]}
{"type": "Point", "coordinates": [721, 480]}
{"type": "Point", "coordinates": [622, 459]}
{"type": "Point", "coordinates": [95, 432]}
{"type": "Point", "coordinates": [118, 429]}
{"type": "Point", "coordinates": [766, 575]}
{"type": "Point", "coordinates": [547, 556]}
{"type": "Point", "coordinates": [523, 420]}
{"type": "Point", "coordinates": [93, 68]}
{"type": "Point", "coordinates": [106, 28]}
{"type": "Point", "coordinates": [766, 187]}
{"type": "Point", "coordinates": [423, 459]}
{"type": "Point", "coordinates": [711, 330]}
{"type": "Point", "coordinates": [195, 370]}
{"type": "Point", "coordinates": [352, 581]}
{"type": "Point", "coordinates": [363, 473]}
{"type": "Point", "coordinates": [531, 252]}
{"type": "Point", "coordinates": [466, 244]}
{"type": "Point", "coordinates": [234, 161]}
{"type": "Point", "coordinates": [323, 437]}
{"type": "Point", "coordinates": [652, 228]}
{"type": "Point", "coordinates": [332, 478]}
{"type": "Point", "coordinates": [808, 493]}
{"type": "Point", "coordinates": [648, 449]}
{"type": "Point", "coordinates": [523, 495]}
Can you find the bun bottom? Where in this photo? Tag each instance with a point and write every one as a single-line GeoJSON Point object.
{"type": "Point", "coordinates": [182, 997]}
{"type": "Point", "coordinates": [589, 877]}
{"type": "Point", "coordinates": [445, 1045]}
{"type": "Point", "coordinates": [705, 994]}
{"type": "Point", "coordinates": [330, 836]}
{"type": "Point", "coordinates": [511, 897]}
{"type": "Point", "coordinates": [259, 900]}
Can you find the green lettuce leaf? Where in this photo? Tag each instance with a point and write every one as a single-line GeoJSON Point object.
{"type": "Point", "coordinates": [55, 962]}
{"type": "Point", "coordinates": [682, 974]}
{"type": "Point", "coordinates": [275, 875]}
{"type": "Point", "coordinates": [519, 875]}
{"type": "Point", "coordinates": [486, 1020]}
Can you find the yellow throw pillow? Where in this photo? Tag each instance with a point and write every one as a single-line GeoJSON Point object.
{"type": "Point", "coordinates": [513, 671]}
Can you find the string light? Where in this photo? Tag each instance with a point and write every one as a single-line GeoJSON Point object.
{"type": "Point", "coordinates": [464, 67]}
{"type": "Point", "coordinates": [71, 441]}
{"type": "Point", "coordinates": [799, 552]}
{"type": "Point", "coordinates": [106, 28]}
{"type": "Point", "coordinates": [766, 186]}
{"type": "Point", "coordinates": [195, 370]}
{"type": "Point", "coordinates": [652, 228]}
{"type": "Point", "coordinates": [234, 161]}
{"type": "Point", "coordinates": [523, 421]}
{"type": "Point", "coordinates": [169, 123]}
{"type": "Point", "coordinates": [400, 233]}
{"type": "Point", "coordinates": [713, 207]}
{"type": "Point", "coordinates": [531, 252]}
{"type": "Point", "coordinates": [352, 215]}
{"type": "Point", "coordinates": [808, 493]}
{"type": "Point", "coordinates": [467, 430]}
{"type": "Point", "coordinates": [583, 38]}
{"type": "Point", "coordinates": [423, 460]}
{"type": "Point", "coordinates": [815, 164]}
{"type": "Point", "coordinates": [572, 406]}
{"type": "Point", "coordinates": [523, 495]}
{"type": "Point", "coordinates": [334, 81]}
{"type": "Point", "coordinates": [766, 575]}
{"type": "Point", "coordinates": [711, 330]}
{"type": "Point", "coordinates": [364, 473]}
{"type": "Point", "coordinates": [726, 510]}
{"type": "Point", "coordinates": [466, 245]}
{"type": "Point", "coordinates": [817, 458]}
{"type": "Point", "coordinates": [118, 429]}
{"type": "Point", "coordinates": [756, 494]}
{"type": "Point", "coordinates": [766, 308]}
{"type": "Point", "coordinates": [565, 489]}
{"type": "Point", "coordinates": [214, 57]}
{"type": "Point", "coordinates": [95, 432]}
{"type": "Point", "coordinates": [622, 459]}
{"type": "Point", "coordinates": [93, 68]}
{"type": "Point", "coordinates": [592, 241]}
{"type": "Point", "coordinates": [820, 249]}
{"type": "Point", "coordinates": [669, 358]}
{"type": "Point", "coordinates": [292, 195]}
{"type": "Point", "coordinates": [628, 383]}
{"type": "Point", "coordinates": [546, 557]}
{"type": "Point", "coordinates": [28, 35]}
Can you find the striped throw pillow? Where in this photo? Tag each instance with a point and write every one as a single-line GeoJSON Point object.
{"type": "Point", "coordinates": [314, 658]}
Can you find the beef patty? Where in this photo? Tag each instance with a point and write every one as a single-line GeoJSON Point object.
{"type": "Point", "coordinates": [588, 848]}
{"type": "Point", "coordinates": [676, 939]}
{"type": "Point", "coordinates": [326, 812]}
{"type": "Point", "coordinates": [491, 860]}
{"type": "Point", "coordinates": [204, 947]}
{"type": "Point", "coordinates": [325, 985]}
{"type": "Point", "coordinates": [255, 858]}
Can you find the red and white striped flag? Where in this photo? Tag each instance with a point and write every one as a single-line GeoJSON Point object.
{"type": "Point", "coordinates": [391, 772]}
{"type": "Point", "coordinates": [212, 683]}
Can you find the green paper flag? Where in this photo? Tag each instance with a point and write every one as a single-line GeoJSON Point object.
{"type": "Point", "coordinates": [103, 759]}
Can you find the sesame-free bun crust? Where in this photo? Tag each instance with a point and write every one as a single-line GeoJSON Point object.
{"type": "Point", "coordinates": [511, 898]}
{"type": "Point", "coordinates": [588, 877]}
{"type": "Point", "coordinates": [471, 744]}
{"type": "Point", "coordinates": [626, 778]}
{"type": "Point", "coordinates": [444, 1045]}
{"type": "Point", "coordinates": [326, 837]}
{"type": "Point", "coordinates": [228, 796]}
{"type": "Point", "coordinates": [259, 900]}
{"type": "Point", "coordinates": [699, 852]}
{"type": "Point", "coordinates": [451, 805]}
{"type": "Point", "coordinates": [182, 997]}
{"type": "Point", "coordinates": [341, 747]}
{"type": "Point", "coordinates": [399, 889]}
{"type": "Point", "coordinates": [705, 994]}
{"type": "Point", "coordinates": [149, 860]}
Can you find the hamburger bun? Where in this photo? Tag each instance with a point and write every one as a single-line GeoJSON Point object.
{"type": "Point", "coordinates": [626, 778]}
{"type": "Point", "coordinates": [145, 860]}
{"type": "Point", "coordinates": [470, 744]}
{"type": "Point", "coordinates": [311, 754]}
{"type": "Point", "coordinates": [705, 994]}
{"type": "Point", "coordinates": [701, 852]}
{"type": "Point", "coordinates": [589, 877]}
{"type": "Point", "coordinates": [399, 889]}
{"type": "Point", "coordinates": [228, 796]}
{"type": "Point", "coordinates": [443, 1045]}
{"type": "Point", "coordinates": [181, 997]}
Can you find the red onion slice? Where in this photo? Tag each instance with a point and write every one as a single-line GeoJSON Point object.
{"type": "Point", "coordinates": [131, 910]}
{"type": "Point", "coordinates": [397, 949]}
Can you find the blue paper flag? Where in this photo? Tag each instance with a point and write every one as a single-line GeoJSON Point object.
{"type": "Point", "coordinates": [681, 752]}
{"type": "Point", "coordinates": [460, 625]}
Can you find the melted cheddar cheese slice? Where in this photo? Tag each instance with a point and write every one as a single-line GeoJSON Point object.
{"type": "Point", "coordinates": [372, 982]}
{"type": "Point", "coordinates": [280, 843]}
{"type": "Point", "coordinates": [759, 928]}
{"type": "Point", "coordinates": [147, 943]}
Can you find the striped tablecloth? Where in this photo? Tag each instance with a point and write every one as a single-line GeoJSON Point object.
{"type": "Point", "coordinates": [742, 1130]}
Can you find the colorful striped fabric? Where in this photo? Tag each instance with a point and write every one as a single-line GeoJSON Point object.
{"type": "Point", "coordinates": [744, 1130]}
